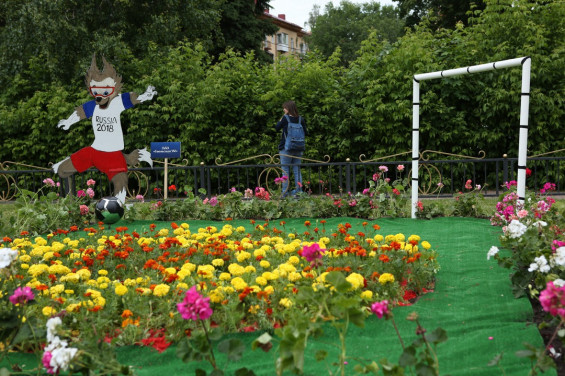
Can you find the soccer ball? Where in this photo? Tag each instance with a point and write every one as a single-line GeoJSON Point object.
{"type": "Point", "coordinates": [109, 210]}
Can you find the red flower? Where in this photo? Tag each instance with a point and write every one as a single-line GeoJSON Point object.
{"type": "Point", "coordinates": [172, 187]}
{"type": "Point", "coordinates": [528, 172]}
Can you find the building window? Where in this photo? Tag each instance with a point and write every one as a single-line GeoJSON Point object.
{"type": "Point", "coordinates": [282, 38]}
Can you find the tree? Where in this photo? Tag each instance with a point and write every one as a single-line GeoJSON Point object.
{"type": "Point", "coordinates": [349, 24]}
{"type": "Point", "coordinates": [446, 13]}
{"type": "Point", "coordinates": [242, 29]}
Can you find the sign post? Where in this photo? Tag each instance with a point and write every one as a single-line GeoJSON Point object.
{"type": "Point", "coordinates": [165, 150]}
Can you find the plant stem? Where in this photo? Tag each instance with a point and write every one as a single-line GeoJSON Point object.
{"type": "Point", "coordinates": [212, 358]}
{"type": "Point", "coordinates": [397, 333]}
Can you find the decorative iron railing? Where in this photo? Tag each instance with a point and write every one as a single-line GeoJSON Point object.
{"type": "Point", "coordinates": [437, 177]}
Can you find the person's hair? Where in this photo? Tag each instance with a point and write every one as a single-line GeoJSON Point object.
{"type": "Point", "coordinates": [291, 108]}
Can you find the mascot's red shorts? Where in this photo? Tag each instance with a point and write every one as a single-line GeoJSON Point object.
{"type": "Point", "coordinates": [108, 162]}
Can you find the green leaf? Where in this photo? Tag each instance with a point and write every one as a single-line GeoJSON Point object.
{"type": "Point", "coordinates": [233, 348]}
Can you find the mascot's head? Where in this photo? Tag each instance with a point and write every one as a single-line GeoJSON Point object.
{"type": "Point", "coordinates": [103, 84]}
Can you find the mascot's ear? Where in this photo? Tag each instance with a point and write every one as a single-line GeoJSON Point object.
{"type": "Point", "coordinates": [90, 72]}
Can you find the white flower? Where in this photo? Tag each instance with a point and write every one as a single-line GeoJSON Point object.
{"type": "Point", "coordinates": [540, 263]}
{"type": "Point", "coordinates": [559, 256]}
{"type": "Point", "coordinates": [492, 251]}
{"type": "Point", "coordinates": [52, 325]}
{"type": "Point", "coordinates": [7, 255]}
{"type": "Point", "coordinates": [516, 229]}
{"type": "Point", "coordinates": [559, 282]}
{"type": "Point", "coordinates": [61, 357]}
{"type": "Point", "coordinates": [539, 224]}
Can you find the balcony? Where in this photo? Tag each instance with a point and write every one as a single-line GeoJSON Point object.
{"type": "Point", "coordinates": [282, 47]}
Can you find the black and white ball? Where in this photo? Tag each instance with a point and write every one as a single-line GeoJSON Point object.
{"type": "Point", "coordinates": [109, 210]}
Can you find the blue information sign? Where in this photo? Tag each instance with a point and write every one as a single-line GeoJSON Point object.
{"type": "Point", "coordinates": [165, 150]}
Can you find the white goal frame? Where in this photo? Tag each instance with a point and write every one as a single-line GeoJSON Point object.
{"type": "Point", "coordinates": [524, 112]}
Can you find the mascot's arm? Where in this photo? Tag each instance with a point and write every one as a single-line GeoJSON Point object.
{"type": "Point", "coordinates": [76, 116]}
{"type": "Point", "coordinates": [147, 96]}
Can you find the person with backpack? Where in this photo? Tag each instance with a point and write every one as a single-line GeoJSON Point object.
{"type": "Point", "coordinates": [291, 146]}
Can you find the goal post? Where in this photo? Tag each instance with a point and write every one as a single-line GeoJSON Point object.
{"type": "Point", "coordinates": [525, 62]}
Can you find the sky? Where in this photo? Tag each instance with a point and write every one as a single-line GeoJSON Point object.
{"type": "Point", "coordinates": [298, 11]}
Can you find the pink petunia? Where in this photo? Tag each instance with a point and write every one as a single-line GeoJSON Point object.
{"type": "Point", "coordinates": [83, 210]}
{"type": "Point", "coordinates": [22, 295]}
{"type": "Point", "coordinates": [380, 308]}
{"type": "Point", "coordinates": [312, 252]}
{"type": "Point", "coordinates": [194, 306]}
{"type": "Point", "coordinates": [90, 182]}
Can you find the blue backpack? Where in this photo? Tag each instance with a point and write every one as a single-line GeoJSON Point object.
{"type": "Point", "coordinates": [294, 136]}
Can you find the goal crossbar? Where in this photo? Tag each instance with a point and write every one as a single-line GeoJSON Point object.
{"type": "Point", "coordinates": [525, 62]}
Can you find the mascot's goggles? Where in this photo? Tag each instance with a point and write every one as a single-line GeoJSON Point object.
{"type": "Point", "coordinates": [102, 91]}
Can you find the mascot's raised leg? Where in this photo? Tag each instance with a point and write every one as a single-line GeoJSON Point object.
{"type": "Point", "coordinates": [120, 183]}
{"type": "Point", "coordinates": [65, 170]}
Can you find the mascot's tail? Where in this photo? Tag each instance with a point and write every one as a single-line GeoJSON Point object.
{"type": "Point", "coordinates": [137, 156]}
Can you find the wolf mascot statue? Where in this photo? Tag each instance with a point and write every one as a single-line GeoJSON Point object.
{"type": "Point", "coordinates": [106, 152]}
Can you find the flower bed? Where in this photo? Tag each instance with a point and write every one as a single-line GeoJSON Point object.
{"type": "Point", "coordinates": [123, 286]}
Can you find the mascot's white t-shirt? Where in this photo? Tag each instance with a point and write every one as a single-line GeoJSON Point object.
{"type": "Point", "coordinates": [108, 134]}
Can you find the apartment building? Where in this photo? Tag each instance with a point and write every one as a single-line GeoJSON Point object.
{"type": "Point", "coordinates": [289, 39]}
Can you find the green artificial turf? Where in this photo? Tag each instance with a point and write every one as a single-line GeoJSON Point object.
{"type": "Point", "coordinates": [472, 301]}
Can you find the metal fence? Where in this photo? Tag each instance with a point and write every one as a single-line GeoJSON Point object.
{"type": "Point", "coordinates": [437, 177]}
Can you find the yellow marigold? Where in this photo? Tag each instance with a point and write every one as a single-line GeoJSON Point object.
{"type": "Point", "coordinates": [179, 231]}
{"type": "Point", "coordinates": [254, 309]}
{"type": "Point", "coordinates": [413, 238]}
{"type": "Point", "coordinates": [24, 258]}
{"type": "Point", "coordinates": [57, 289]}
{"type": "Point", "coordinates": [265, 240]}
{"type": "Point", "coordinates": [161, 290]}
{"type": "Point", "coordinates": [269, 289]}
{"type": "Point", "coordinates": [144, 291]}
{"type": "Point", "coordinates": [269, 276]}
{"type": "Point", "coordinates": [224, 276]}
{"type": "Point", "coordinates": [242, 256]}
{"type": "Point", "coordinates": [228, 290]}
{"type": "Point", "coordinates": [84, 274]}
{"type": "Point", "coordinates": [236, 269]}
{"type": "Point", "coordinates": [240, 229]}
{"type": "Point", "coordinates": [259, 252]}
{"type": "Point", "coordinates": [182, 286]}
{"type": "Point", "coordinates": [129, 282]}
{"type": "Point", "coordinates": [102, 272]}
{"type": "Point", "coordinates": [426, 245]}
{"type": "Point", "coordinates": [385, 278]}
{"type": "Point", "coordinates": [189, 267]}
{"type": "Point", "coordinates": [40, 241]}
{"type": "Point", "coordinates": [294, 260]}
{"type": "Point", "coordinates": [218, 262]}
{"type": "Point", "coordinates": [206, 271]}
{"type": "Point", "coordinates": [356, 280]}
{"type": "Point", "coordinates": [37, 269]}
{"type": "Point", "coordinates": [325, 240]}
{"type": "Point", "coordinates": [185, 226]}
{"type": "Point", "coordinates": [48, 256]}
{"type": "Point", "coordinates": [101, 280]}
{"type": "Point", "coordinates": [390, 238]}
{"type": "Point", "coordinates": [48, 311]}
{"type": "Point", "coordinates": [265, 264]}
{"type": "Point", "coordinates": [58, 269]}
{"type": "Point", "coordinates": [163, 232]}
{"type": "Point", "coordinates": [73, 307]}
{"type": "Point", "coordinates": [285, 302]}
{"type": "Point", "coordinates": [292, 236]}
{"type": "Point", "coordinates": [24, 266]}
{"type": "Point", "coordinates": [57, 247]}
{"type": "Point", "coordinates": [238, 283]}
{"type": "Point", "coordinates": [399, 237]}
{"type": "Point", "coordinates": [261, 281]}
{"type": "Point", "coordinates": [216, 296]}
{"type": "Point", "coordinates": [69, 292]}
{"type": "Point", "coordinates": [103, 285]}
{"type": "Point", "coordinates": [120, 290]}
{"type": "Point", "coordinates": [367, 295]}
{"type": "Point", "coordinates": [378, 238]}
{"type": "Point", "coordinates": [294, 276]}
{"type": "Point", "coordinates": [249, 269]}
{"type": "Point", "coordinates": [171, 271]}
